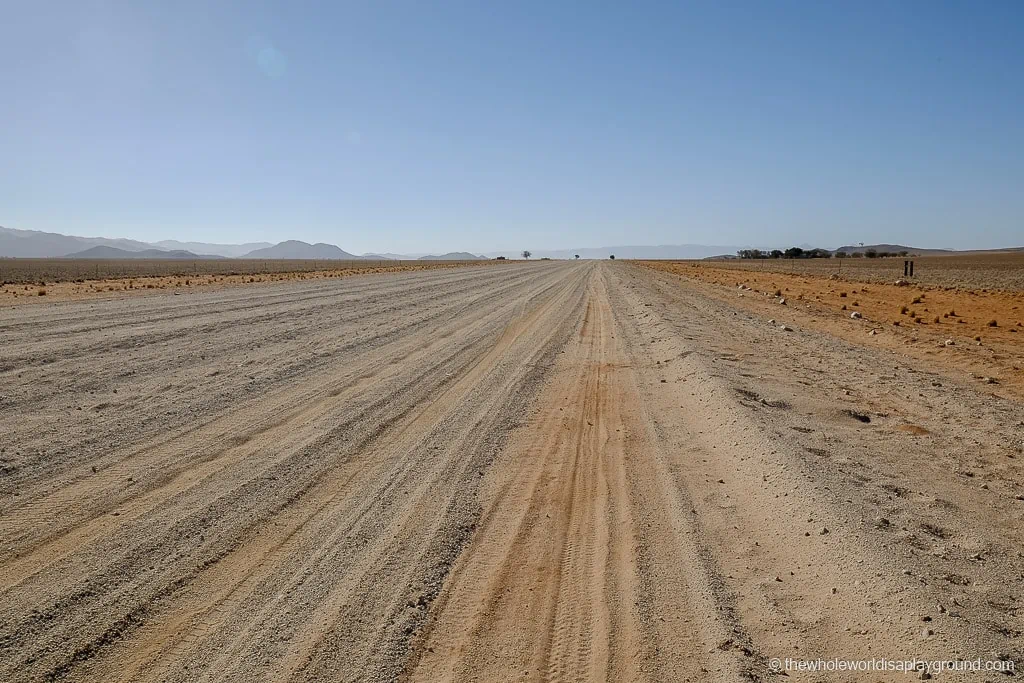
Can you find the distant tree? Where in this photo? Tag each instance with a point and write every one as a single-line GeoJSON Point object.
{"type": "Point", "coordinates": [857, 254]}
{"type": "Point", "coordinates": [871, 253]}
{"type": "Point", "coordinates": [904, 253]}
{"type": "Point", "coordinates": [776, 253]}
{"type": "Point", "coordinates": [527, 254]}
{"type": "Point", "coordinates": [841, 254]}
{"type": "Point", "coordinates": [750, 253]}
{"type": "Point", "coordinates": [612, 257]}
{"type": "Point", "coordinates": [577, 256]}
{"type": "Point", "coordinates": [793, 252]}
{"type": "Point", "coordinates": [818, 253]}
{"type": "Point", "coordinates": [500, 258]}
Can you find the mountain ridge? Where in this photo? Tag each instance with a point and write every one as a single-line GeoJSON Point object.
{"type": "Point", "coordinates": [297, 249]}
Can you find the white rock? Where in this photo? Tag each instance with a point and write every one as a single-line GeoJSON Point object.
{"type": "Point", "coordinates": [856, 315]}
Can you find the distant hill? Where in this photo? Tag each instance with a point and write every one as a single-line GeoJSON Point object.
{"type": "Point", "coordinates": [36, 244]}
{"type": "Point", "coordinates": [295, 249]}
{"type": "Point", "coordinates": [104, 252]}
{"type": "Point", "coordinates": [453, 256]}
{"type": "Point", "coordinates": [229, 250]}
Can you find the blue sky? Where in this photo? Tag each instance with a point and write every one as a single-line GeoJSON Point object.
{"type": "Point", "coordinates": [426, 126]}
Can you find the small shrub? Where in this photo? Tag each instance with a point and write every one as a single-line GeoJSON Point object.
{"type": "Point", "coordinates": [903, 310]}
{"type": "Point", "coordinates": [916, 300]}
{"type": "Point", "coordinates": [993, 323]}
{"type": "Point", "coordinates": [41, 292]}
{"type": "Point", "coordinates": [842, 295]}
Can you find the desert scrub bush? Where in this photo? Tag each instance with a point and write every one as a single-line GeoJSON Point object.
{"type": "Point", "coordinates": [993, 323]}
{"type": "Point", "coordinates": [903, 310]}
{"type": "Point", "coordinates": [41, 292]}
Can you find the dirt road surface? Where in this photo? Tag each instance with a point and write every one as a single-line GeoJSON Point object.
{"type": "Point", "coordinates": [538, 472]}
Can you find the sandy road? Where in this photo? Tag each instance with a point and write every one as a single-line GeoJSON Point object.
{"type": "Point", "coordinates": [549, 471]}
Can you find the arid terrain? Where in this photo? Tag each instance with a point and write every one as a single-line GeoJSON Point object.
{"type": "Point", "coordinates": [533, 472]}
{"type": "Point", "coordinates": [64, 279]}
{"type": "Point", "coordinates": [967, 270]}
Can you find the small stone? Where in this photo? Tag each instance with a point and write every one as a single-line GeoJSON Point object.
{"type": "Point", "coordinates": [785, 328]}
{"type": "Point", "coordinates": [856, 315]}
{"type": "Point", "coordinates": [950, 342]}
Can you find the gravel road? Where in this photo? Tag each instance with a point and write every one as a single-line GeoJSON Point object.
{"type": "Point", "coordinates": [534, 471]}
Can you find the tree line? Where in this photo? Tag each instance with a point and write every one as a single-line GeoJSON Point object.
{"type": "Point", "coordinates": [797, 252]}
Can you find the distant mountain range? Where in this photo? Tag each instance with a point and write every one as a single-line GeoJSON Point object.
{"type": "Point", "coordinates": [229, 250]}
{"type": "Point", "coordinates": [36, 244]}
{"type": "Point", "coordinates": [105, 252]}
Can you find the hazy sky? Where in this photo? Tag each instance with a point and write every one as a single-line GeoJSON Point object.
{"type": "Point", "coordinates": [480, 125]}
